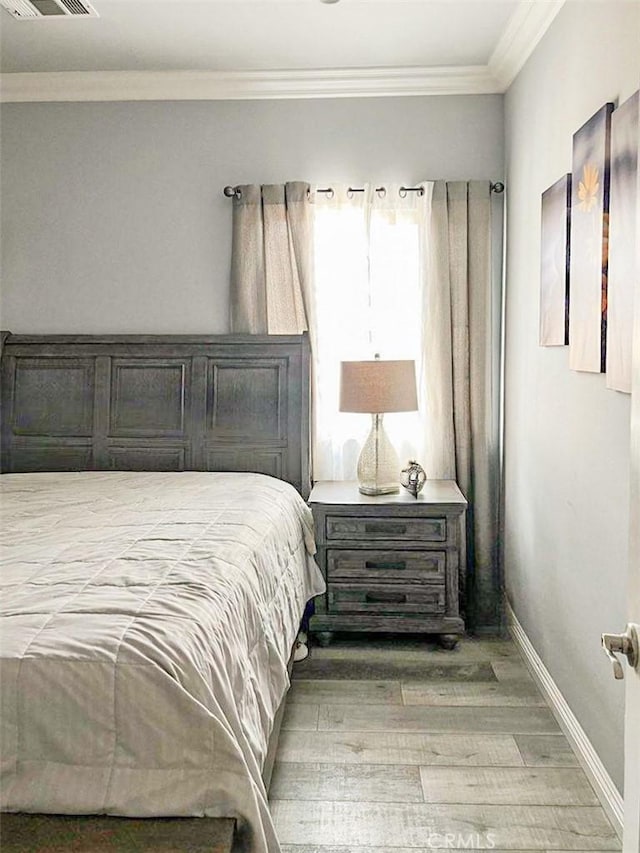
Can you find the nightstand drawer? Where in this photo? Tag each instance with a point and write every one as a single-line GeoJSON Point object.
{"type": "Point", "coordinates": [389, 599]}
{"type": "Point", "coordinates": [407, 529]}
{"type": "Point", "coordinates": [388, 566]}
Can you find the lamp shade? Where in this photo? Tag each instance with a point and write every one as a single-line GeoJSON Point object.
{"type": "Point", "coordinates": [378, 386]}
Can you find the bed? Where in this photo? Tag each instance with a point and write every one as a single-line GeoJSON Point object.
{"type": "Point", "coordinates": [156, 565]}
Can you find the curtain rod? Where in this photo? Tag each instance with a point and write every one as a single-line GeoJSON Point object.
{"type": "Point", "coordinates": [496, 187]}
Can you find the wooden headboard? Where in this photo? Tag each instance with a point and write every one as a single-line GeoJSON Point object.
{"type": "Point", "coordinates": [157, 403]}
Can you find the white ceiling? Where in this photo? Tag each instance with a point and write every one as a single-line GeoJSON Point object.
{"type": "Point", "coordinates": [235, 35]}
{"type": "Point", "coordinates": [288, 47]}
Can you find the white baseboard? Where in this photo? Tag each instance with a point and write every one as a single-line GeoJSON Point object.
{"type": "Point", "coordinates": [606, 791]}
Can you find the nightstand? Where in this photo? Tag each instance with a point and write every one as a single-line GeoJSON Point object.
{"type": "Point", "coordinates": [390, 562]}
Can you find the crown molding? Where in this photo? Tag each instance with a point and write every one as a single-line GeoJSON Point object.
{"type": "Point", "coordinates": [242, 85]}
{"type": "Point", "coordinates": [525, 28]}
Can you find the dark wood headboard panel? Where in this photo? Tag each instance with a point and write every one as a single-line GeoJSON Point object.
{"type": "Point", "coordinates": [157, 403]}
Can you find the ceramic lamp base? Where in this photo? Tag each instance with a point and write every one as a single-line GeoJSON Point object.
{"type": "Point", "coordinates": [378, 465]}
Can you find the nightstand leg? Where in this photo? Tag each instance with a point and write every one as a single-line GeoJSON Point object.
{"type": "Point", "coordinates": [448, 641]}
{"type": "Point", "coordinates": [323, 638]}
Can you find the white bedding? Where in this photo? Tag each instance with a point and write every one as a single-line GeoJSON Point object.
{"type": "Point", "coordinates": [147, 623]}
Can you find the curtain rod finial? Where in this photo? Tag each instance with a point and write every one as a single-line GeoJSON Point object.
{"type": "Point", "coordinates": [230, 192]}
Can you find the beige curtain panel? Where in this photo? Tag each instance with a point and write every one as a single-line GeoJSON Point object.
{"type": "Point", "coordinates": [272, 293]}
{"type": "Point", "coordinates": [271, 261]}
{"type": "Point", "coordinates": [460, 375]}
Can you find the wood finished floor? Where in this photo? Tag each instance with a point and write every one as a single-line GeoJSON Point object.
{"type": "Point", "coordinates": [396, 746]}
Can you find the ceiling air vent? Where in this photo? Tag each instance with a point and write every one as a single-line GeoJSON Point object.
{"type": "Point", "coordinates": [33, 10]}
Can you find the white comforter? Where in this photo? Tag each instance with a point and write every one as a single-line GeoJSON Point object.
{"type": "Point", "coordinates": [147, 623]}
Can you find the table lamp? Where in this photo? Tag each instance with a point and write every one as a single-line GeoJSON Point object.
{"type": "Point", "coordinates": [376, 387]}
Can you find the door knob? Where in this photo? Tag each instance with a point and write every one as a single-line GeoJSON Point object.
{"type": "Point", "coordinates": [624, 644]}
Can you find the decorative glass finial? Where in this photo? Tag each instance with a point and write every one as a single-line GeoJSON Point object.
{"type": "Point", "coordinates": [413, 477]}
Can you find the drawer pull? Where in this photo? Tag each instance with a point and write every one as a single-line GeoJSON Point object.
{"type": "Point", "coordinates": [385, 564]}
{"type": "Point", "coordinates": [386, 597]}
{"type": "Point", "coordinates": [385, 527]}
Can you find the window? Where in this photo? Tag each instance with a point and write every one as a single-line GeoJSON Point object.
{"type": "Point", "coordinates": [368, 300]}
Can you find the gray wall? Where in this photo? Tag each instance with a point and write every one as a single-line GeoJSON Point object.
{"type": "Point", "coordinates": [113, 218]}
{"type": "Point", "coordinates": [566, 435]}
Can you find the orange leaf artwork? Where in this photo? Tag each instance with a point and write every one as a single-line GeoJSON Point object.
{"type": "Point", "coordinates": [588, 255]}
{"type": "Point", "coordinates": [588, 188]}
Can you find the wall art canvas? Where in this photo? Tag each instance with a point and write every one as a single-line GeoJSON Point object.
{"type": "Point", "coordinates": [554, 263]}
{"type": "Point", "coordinates": [624, 271]}
{"type": "Point", "coordinates": [589, 238]}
